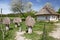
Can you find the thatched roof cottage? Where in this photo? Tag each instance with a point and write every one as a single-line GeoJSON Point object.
{"type": "Point", "coordinates": [47, 13]}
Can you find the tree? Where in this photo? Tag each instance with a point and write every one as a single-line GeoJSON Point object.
{"type": "Point", "coordinates": [58, 11]}
{"type": "Point", "coordinates": [29, 5]}
{"type": "Point", "coordinates": [20, 6]}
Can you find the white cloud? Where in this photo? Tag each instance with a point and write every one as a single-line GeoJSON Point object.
{"type": "Point", "coordinates": [5, 7]}
{"type": "Point", "coordinates": [56, 8]}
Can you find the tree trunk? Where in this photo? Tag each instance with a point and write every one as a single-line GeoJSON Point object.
{"type": "Point", "coordinates": [29, 29]}
{"type": "Point", "coordinates": [7, 27]}
{"type": "Point", "coordinates": [20, 29]}
{"type": "Point", "coordinates": [16, 25]}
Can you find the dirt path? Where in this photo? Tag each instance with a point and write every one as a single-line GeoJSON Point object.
{"type": "Point", "coordinates": [56, 32]}
{"type": "Point", "coordinates": [38, 32]}
{"type": "Point", "coordinates": [19, 36]}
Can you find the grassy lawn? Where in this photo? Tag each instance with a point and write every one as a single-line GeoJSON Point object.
{"type": "Point", "coordinates": [9, 35]}
{"type": "Point", "coordinates": [49, 26]}
{"type": "Point", "coordinates": [39, 27]}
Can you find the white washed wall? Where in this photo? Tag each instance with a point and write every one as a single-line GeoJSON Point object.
{"type": "Point", "coordinates": [51, 18]}
{"type": "Point", "coordinates": [39, 18]}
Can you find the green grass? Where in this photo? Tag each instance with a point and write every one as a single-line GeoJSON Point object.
{"type": "Point", "coordinates": [10, 35]}
{"type": "Point", "coordinates": [1, 26]}
{"type": "Point", "coordinates": [32, 36]}
{"type": "Point", "coordinates": [35, 36]}
{"type": "Point", "coordinates": [23, 26]}
{"type": "Point", "coordinates": [39, 27]}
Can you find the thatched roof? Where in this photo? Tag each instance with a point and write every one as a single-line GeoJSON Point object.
{"type": "Point", "coordinates": [6, 20]}
{"type": "Point", "coordinates": [30, 21]}
{"type": "Point", "coordinates": [47, 10]}
{"type": "Point", "coordinates": [17, 20]}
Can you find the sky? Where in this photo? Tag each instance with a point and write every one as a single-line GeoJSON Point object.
{"type": "Point", "coordinates": [37, 5]}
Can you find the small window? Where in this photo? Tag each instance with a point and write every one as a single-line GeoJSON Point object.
{"type": "Point", "coordinates": [53, 16]}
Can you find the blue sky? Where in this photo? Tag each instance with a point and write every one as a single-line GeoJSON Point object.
{"type": "Point", "coordinates": [37, 4]}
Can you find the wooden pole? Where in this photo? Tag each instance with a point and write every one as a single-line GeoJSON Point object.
{"type": "Point", "coordinates": [1, 14]}
{"type": "Point", "coordinates": [1, 26]}
{"type": "Point", "coordinates": [44, 35]}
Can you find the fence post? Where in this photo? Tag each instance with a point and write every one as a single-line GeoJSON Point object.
{"type": "Point", "coordinates": [44, 35]}
{"type": "Point", "coordinates": [1, 26]}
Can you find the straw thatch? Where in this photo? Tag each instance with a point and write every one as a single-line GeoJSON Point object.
{"type": "Point", "coordinates": [6, 20]}
{"type": "Point", "coordinates": [47, 10]}
{"type": "Point", "coordinates": [17, 20]}
{"type": "Point", "coordinates": [30, 21]}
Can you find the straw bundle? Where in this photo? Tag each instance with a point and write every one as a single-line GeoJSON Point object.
{"type": "Point", "coordinates": [6, 20]}
{"type": "Point", "coordinates": [17, 20]}
{"type": "Point", "coordinates": [30, 21]}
